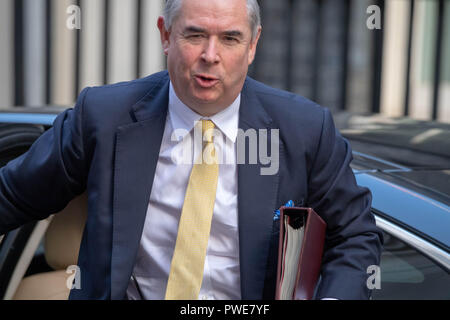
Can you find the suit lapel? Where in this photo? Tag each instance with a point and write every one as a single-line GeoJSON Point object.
{"type": "Point", "coordinates": [136, 156]}
{"type": "Point", "coordinates": [257, 196]}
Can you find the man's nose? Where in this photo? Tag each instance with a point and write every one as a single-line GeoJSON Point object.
{"type": "Point", "coordinates": [210, 52]}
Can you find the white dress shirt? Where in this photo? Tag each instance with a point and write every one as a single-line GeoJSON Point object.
{"type": "Point", "coordinates": [221, 278]}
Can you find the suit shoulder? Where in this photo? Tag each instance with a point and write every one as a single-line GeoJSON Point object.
{"type": "Point", "coordinates": [301, 122]}
{"type": "Point", "coordinates": [127, 91]}
{"type": "Point", "coordinates": [114, 101]}
{"type": "Point", "coordinates": [286, 106]}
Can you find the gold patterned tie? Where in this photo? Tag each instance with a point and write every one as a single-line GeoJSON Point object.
{"type": "Point", "coordinates": [186, 269]}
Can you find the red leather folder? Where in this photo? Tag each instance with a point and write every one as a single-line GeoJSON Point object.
{"type": "Point", "coordinates": [311, 251]}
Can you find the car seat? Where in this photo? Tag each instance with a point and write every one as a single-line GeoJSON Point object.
{"type": "Point", "coordinates": [61, 243]}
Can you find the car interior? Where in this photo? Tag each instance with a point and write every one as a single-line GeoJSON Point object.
{"type": "Point", "coordinates": [61, 241]}
{"type": "Point", "coordinates": [35, 258]}
{"type": "Point", "coordinates": [61, 246]}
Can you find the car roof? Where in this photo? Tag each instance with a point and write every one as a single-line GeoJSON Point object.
{"type": "Point", "coordinates": [413, 210]}
{"type": "Point", "coordinates": [31, 115]}
{"type": "Point", "coordinates": [406, 165]}
{"type": "Point", "coordinates": [434, 181]}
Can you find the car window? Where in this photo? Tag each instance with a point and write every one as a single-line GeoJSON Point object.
{"type": "Point", "coordinates": [408, 274]}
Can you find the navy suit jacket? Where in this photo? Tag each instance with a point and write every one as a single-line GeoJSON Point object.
{"type": "Point", "coordinates": [108, 145]}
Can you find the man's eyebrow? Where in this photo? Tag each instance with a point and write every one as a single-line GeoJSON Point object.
{"type": "Point", "coordinates": [233, 33]}
{"type": "Point", "coordinates": [229, 33]}
{"type": "Point", "coordinates": [193, 29]}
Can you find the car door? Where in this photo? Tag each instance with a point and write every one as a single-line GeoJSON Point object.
{"type": "Point", "coordinates": [15, 139]}
{"type": "Point", "coordinates": [411, 267]}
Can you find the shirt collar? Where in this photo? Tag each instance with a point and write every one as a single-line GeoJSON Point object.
{"type": "Point", "coordinates": [183, 117]}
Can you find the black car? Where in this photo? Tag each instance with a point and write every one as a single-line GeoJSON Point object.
{"type": "Point", "coordinates": [405, 163]}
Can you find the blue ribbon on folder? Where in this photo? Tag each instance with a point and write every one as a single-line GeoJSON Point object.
{"type": "Point", "coordinates": [276, 215]}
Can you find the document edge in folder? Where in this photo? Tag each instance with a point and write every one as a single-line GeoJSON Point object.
{"type": "Point", "coordinates": [304, 287]}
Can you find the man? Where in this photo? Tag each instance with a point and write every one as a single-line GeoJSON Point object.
{"type": "Point", "coordinates": [117, 143]}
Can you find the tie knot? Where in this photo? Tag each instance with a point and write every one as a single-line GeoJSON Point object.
{"type": "Point", "coordinates": [207, 132]}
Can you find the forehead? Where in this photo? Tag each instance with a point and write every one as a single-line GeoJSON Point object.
{"type": "Point", "coordinates": [214, 15]}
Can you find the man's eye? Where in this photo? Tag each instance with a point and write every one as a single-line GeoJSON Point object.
{"type": "Point", "coordinates": [194, 36]}
{"type": "Point", "coordinates": [230, 39]}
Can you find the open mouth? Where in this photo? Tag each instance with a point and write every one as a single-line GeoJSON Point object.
{"type": "Point", "coordinates": [206, 81]}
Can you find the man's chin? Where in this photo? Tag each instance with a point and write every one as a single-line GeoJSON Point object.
{"type": "Point", "coordinates": [206, 99]}
{"type": "Point", "coordinates": [207, 106]}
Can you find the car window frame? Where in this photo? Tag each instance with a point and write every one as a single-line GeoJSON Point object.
{"type": "Point", "coordinates": [428, 249]}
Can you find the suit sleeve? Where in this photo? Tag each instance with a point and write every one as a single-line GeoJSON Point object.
{"type": "Point", "coordinates": [353, 241]}
{"type": "Point", "coordinates": [52, 172]}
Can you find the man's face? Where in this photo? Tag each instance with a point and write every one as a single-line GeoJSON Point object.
{"type": "Point", "coordinates": [209, 48]}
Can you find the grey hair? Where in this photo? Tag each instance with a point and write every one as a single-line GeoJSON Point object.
{"type": "Point", "coordinates": [172, 9]}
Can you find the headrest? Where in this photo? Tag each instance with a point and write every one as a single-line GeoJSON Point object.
{"type": "Point", "coordinates": [63, 236]}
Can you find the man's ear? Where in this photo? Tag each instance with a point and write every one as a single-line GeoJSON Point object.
{"type": "Point", "coordinates": [165, 35]}
{"type": "Point", "coordinates": [253, 46]}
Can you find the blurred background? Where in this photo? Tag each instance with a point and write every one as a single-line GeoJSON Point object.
{"type": "Point", "coordinates": [321, 49]}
